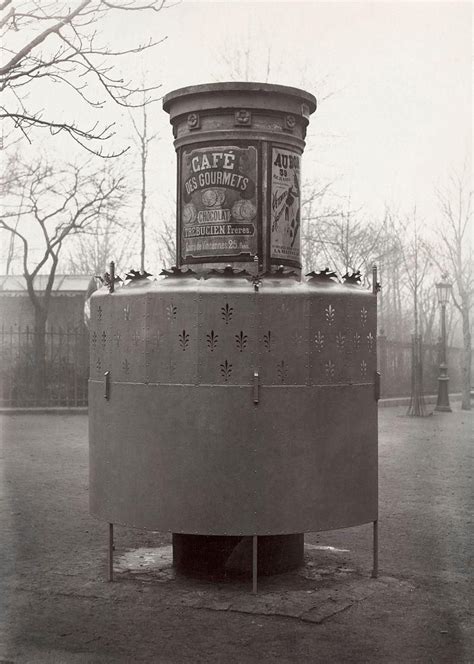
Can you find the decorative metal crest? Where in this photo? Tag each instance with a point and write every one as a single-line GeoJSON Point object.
{"type": "Point", "coordinates": [178, 272]}
{"type": "Point", "coordinates": [228, 271]}
{"type": "Point", "coordinates": [353, 278]}
{"type": "Point", "coordinates": [136, 275]}
{"type": "Point", "coordinates": [323, 276]}
{"type": "Point", "coordinates": [281, 273]}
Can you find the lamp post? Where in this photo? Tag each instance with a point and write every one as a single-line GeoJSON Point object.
{"type": "Point", "coordinates": [443, 289]}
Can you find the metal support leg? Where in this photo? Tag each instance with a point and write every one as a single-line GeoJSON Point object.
{"type": "Point", "coordinates": [111, 552]}
{"type": "Point", "coordinates": [254, 563]}
{"type": "Point", "coordinates": [375, 569]}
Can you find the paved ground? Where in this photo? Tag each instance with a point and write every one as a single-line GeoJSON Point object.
{"type": "Point", "coordinates": [56, 605]}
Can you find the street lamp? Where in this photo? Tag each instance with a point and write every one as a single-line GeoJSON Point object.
{"type": "Point", "coordinates": [443, 289]}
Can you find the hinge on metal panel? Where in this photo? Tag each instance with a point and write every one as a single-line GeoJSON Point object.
{"type": "Point", "coordinates": [107, 385]}
{"type": "Point", "coordinates": [377, 386]}
{"type": "Point", "coordinates": [255, 386]}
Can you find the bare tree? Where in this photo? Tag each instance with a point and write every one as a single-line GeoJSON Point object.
{"type": "Point", "coordinates": [57, 43]}
{"type": "Point", "coordinates": [166, 240]}
{"type": "Point", "coordinates": [315, 212]}
{"type": "Point", "coordinates": [144, 138]}
{"type": "Point", "coordinates": [456, 258]}
{"type": "Point", "coordinates": [415, 254]}
{"type": "Point", "coordinates": [54, 204]}
{"type": "Point", "coordinates": [242, 64]}
{"type": "Point", "coordinates": [342, 239]}
{"type": "Point", "coordinates": [107, 238]}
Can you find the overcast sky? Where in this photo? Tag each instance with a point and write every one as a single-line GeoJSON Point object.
{"type": "Point", "coordinates": [394, 82]}
{"type": "Point", "coordinates": [399, 74]}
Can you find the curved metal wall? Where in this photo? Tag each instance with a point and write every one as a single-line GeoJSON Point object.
{"type": "Point", "coordinates": [191, 440]}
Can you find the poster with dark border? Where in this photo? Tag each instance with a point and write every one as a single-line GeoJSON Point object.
{"type": "Point", "coordinates": [285, 215]}
{"type": "Point", "coordinates": [218, 202]}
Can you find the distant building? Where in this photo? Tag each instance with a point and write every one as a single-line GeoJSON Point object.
{"type": "Point", "coordinates": [68, 300]}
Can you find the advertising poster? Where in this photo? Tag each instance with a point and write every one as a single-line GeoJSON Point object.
{"type": "Point", "coordinates": [218, 202]}
{"type": "Point", "coordinates": [285, 205]}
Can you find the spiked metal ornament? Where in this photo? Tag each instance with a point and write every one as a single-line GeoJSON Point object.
{"type": "Point", "coordinates": [228, 271]}
{"type": "Point", "coordinates": [136, 275]}
{"type": "Point", "coordinates": [281, 273]}
{"type": "Point", "coordinates": [324, 276]}
{"type": "Point", "coordinates": [352, 278]}
{"type": "Point", "coordinates": [177, 272]}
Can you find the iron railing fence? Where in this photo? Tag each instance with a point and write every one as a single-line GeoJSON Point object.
{"type": "Point", "coordinates": [394, 362]}
{"type": "Point", "coordinates": [66, 368]}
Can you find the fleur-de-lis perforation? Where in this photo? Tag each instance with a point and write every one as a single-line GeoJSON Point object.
{"type": "Point", "coordinates": [99, 313]}
{"type": "Point", "coordinates": [356, 341]}
{"type": "Point", "coordinates": [98, 364]}
{"type": "Point", "coordinates": [319, 341]}
{"type": "Point", "coordinates": [117, 339]}
{"type": "Point", "coordinates": [94, 338]}
{"type": "Point", "coordinates": [126, 367]}
{"type": "Point", "coordinates": [267, 341]}
{"type": "Point", "coordinates": [103, 338]}
{"type": "Point", "coordinates": [241, 341]}
{"type": "Point", "coordinates": [363, 368]}
{"type": "Point", "coordinates": [226, 313]}
{"type": "Point", "coordinates": [282, 371]}
{"type": "Point", "coordinates": [330, 314]}
{"type": "Point", "coordinates": [183, 338]}
{"type": "Point", "coordinates": [126, 312]}
{"type": "Point", "coordinates": [171, 311]}
{"type": "Point", "coordinates": [363, 315]}
{"type": "Point", "coordinates": [212, 339]}
{"type": "Point", "coordinates": [329, 368]}
{"type": "Point", "coordinates": [340, 341]}
{"type": "Point", "coordinates": [226, 370]}
{"type": "Point", "coordinates": [370, 342]}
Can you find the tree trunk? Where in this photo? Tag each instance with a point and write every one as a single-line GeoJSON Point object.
{"type": "Point", "coordinates": [40, 357]}
{"type": "Point", "coordinates": [466, 356]}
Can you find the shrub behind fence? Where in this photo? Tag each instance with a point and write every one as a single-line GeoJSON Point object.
{"type": "Point", "coordinates": [66, 368]}
{"type": "Point", "coordinates": [394, 361]}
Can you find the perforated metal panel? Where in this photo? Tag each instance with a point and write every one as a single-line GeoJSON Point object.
{"type": "Point", "coordinates": [283, 339]}
{"type": "Point", "coordinates": [127, 336]}
{"type": "Point", "coordinates": [172, 335]}
{"type": "Point", "coordinates": [341, 326]}
{"type": "Point", "coordinates": [191, 441]}
{"type": "Point", "coordinates": [100, 330]}
{"type": "Point", "coordinates": [228, 336]}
